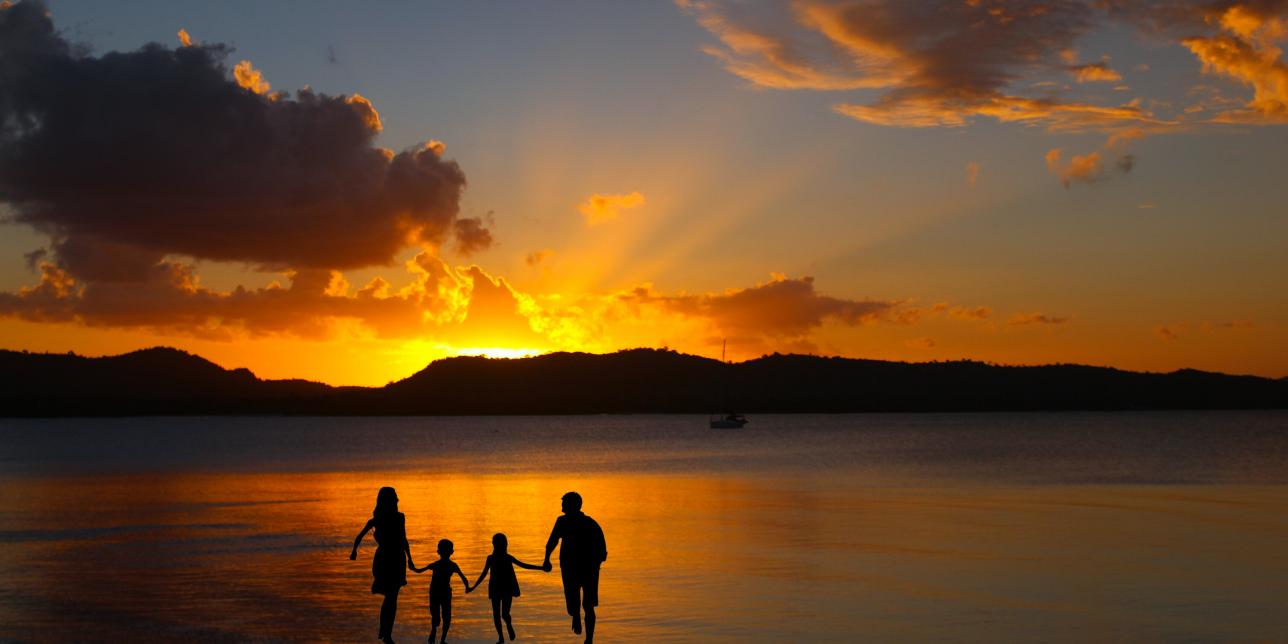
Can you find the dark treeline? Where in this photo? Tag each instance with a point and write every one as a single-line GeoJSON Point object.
{"type": "Point", "coordinates": [168, 381]}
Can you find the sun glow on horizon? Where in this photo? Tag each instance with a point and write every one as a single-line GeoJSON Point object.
{"type": "Point", "coordinates": [508, 353]}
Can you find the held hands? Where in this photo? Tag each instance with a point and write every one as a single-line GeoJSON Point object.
{"type": "Point", "coordinates": [469, 589]}
{"type": "Point", "coordinates": [546, 566]}
{"type": "Point", "coordinates": [353, 555]}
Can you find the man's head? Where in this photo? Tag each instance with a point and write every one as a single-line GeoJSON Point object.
{"type": "Point", "coordinates": [571, 503]}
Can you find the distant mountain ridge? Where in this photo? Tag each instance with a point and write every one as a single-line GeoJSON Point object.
{"type": "Point", "coordinates": [162, 381]}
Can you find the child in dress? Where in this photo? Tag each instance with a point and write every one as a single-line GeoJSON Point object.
{"type": "Point", "coordinates": [504, 586]}
{"type": "Point", "coordinates": [440, 589]}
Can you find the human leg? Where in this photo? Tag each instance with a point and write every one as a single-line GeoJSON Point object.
{"type": "Point", "coordinates": [572, 595]}
{"type": "Point", "coordinates": [435, 611]}
{"type": "Point", "coordinates": [447, 617]}
{"type": "Point", "coordinates": [388, 610]}
{"type": "Point", "coordinates": [496, 619]}
{"type": "Point", "coordinates": [589, 600]}
{"type": "Point", "coordinates": [505, 614]}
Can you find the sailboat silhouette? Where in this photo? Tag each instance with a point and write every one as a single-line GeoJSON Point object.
{"type": "Point", "coordinates": [727, 420]}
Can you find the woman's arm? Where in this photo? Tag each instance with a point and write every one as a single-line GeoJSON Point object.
{"type": "Point", "coordinates": [406, 544]}
{"type": "Point", "coordinates": [356, 542]}
{"type": "Point", "coordinates": [487, 565]}
{"type": "Point", "coordinates": [524, 565]}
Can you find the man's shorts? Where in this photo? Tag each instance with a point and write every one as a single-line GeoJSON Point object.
{"type": "Point", "coordinates": [581, 587]}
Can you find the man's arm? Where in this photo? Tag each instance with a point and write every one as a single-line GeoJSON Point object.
{"type": "Point", "coordinates": [599, 541]}
{"type": "Point", "coordinates": [550, 544]}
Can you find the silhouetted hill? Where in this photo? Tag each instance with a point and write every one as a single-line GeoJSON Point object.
{"type": "Point", "coordinates": [168, 381]}
{"type": "Point", "coordinates": [159, 380]}
{"type": "Point", "coordinates": [636, 380]}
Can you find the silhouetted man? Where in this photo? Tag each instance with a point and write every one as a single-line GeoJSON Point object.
{"type": "Point", "coordinates": [580, 553]}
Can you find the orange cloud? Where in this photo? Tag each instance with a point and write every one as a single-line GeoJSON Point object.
{"type": "Point", "coordinates": [1090, 168]}
{"type": "Point", "coordinates": [768, 59]}
{"type": "Point", "coordinates": [936, 110]}
{"type": "Point", "coordinates": [314, 305]}
{"type": "Point", "coordinates": [1085, 169]}
{"type": "Point", "coordinates": [598, 209]}
{"type": "Point", "coordinates": [946, 64]}
{"type": "Point", "coordinates": [460, 307]}
{"type": "Point", "coordinates": [250, 78]}
{"type": "Point", "coordinates": [184, 38]}
{"type": "Point", "coordinates": [1123, 137]}
{"type": "Point", "coordinates": [367, 112]}
{"type": "Point", "coordinates": [941, 65]}
{"type": "Point", "coordinates": [975, 313]}
{"type": "Point", "coordinates": [920, 343]}
{"type": "Point", "coordinates": [1249, 53]}
{"type": "Point", "coordinates": [965, 313]}
{"type": "Point", "coordinates": [1026, 319]}
{"type": "Point", "coordinates": [1099, 72]}
{"type": "Point", "coordinates": [1175, 331]}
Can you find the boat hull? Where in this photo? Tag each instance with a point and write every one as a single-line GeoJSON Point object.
{"type": "Point", "coordinates": [727, 424]}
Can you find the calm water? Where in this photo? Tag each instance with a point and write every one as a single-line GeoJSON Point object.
{"type": "Point", "coordinates": [973, 527]}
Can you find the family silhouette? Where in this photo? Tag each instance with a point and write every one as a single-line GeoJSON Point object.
{"type": "Point", "coordinates": [581, 552]}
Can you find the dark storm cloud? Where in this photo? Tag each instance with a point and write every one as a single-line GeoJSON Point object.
{"type": "Point", "coordinates": [125, 158]}
{"type": "Point", "coordinates": [471, 236]}
{"type": "Point", "coordinates": [781, 308]}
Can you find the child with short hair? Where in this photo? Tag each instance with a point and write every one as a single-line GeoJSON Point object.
{"type": "Point", "coordinates": [440, 589]}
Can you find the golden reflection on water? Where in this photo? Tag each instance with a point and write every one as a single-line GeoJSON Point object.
{"type": "Point", "coordinates": [236, 557]}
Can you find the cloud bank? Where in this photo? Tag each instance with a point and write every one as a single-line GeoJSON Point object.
{"type": "Point", "coordinates": [126, 158]}
{"type": "Point", "coordinates": [947, 63]}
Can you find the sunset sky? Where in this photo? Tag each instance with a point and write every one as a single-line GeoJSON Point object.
{"type": "Point", "coordinates": [344, 192]}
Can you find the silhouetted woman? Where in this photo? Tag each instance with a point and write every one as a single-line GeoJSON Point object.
{"type": "Point", "coordinates": [389, 567]}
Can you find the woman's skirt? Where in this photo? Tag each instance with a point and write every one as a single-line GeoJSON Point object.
{"type": "Point", "coordinates": [389, 569]}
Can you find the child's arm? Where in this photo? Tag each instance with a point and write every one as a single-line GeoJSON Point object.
{"type": "Point", "coordinates": [463, 579]}
{"type": "Point", "coordinates": [524, 565]}
{"type": "Point", "coordinates": [486, 567]}
{"type": "Point", "coordinates": [354, 553]}
{"type": "Point", "coordinates": [419, 570]}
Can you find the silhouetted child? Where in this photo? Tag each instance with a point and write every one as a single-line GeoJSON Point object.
{"type": "Point", "coordinates": [504, 586]}
{"type": "Point", "coordinates": [440, 589]}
